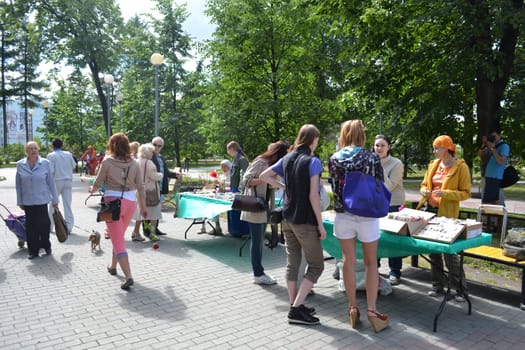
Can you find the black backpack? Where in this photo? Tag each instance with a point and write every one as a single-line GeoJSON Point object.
{"type": "Point", "coordinates": [510, 174]}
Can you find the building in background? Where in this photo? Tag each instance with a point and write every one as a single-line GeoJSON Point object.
{"type": "Point", "coordinates": [15, 124]}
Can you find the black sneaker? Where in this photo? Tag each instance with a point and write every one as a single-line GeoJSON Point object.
{"type": "Point", "coordinates": [298, 315]}
{"type": "Point", "coordinates": [160, 233]}
{"type": "Point", "coordinates": [307, 309]}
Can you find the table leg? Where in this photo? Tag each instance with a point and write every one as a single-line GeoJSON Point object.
{"type": "Point", "coordinates": [199, 221]}
{"type": "Point", "coordinates": [462, 291]}
{"type": "Point", "coordinates": [441, 307]}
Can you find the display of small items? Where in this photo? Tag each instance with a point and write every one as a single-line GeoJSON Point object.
{"type": "Point", "coordinates": [441, 229]}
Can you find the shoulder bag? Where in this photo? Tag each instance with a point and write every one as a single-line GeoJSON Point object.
{"type": "Point", "coordinates": [152, 195]}
{"type": "Point", "coordinates": [364, 195]}
{"type": "Point", "coordinates": [249, 203]}
{"type": "Point", "coordinates": [510, 174]}
{"type": "Point", "coordinates": [60, 226]}
{"type": "Point", "coordinates": [110, 211]}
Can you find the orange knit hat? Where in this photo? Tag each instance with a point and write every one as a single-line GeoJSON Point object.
{"type": "Point", "coordinates": [444, 141]}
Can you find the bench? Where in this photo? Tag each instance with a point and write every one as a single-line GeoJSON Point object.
{"type": "Point", "coordinates": [495, 254]}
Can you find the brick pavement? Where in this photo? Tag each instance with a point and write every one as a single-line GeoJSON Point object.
{"type": "Point", "coordinates": [197, 294]}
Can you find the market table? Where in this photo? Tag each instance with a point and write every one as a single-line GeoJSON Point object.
{"type": "Point", "coordinates": [200, 207]}
{"type": "Point", "coordinates": [392, 245]}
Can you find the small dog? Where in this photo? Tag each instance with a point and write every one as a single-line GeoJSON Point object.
{"type": "Point", "coordinates": [94, 238]}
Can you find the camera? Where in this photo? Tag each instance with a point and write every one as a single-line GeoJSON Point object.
{"type": "Point", "coordinates": [491, 138]}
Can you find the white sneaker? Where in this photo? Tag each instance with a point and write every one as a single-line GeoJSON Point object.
{"type": "Point", "coordinates": [394, 280]}
{"type": "Point", "coordinates": [264, 279]}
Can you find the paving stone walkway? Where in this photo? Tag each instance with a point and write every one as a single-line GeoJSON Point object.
{"type": "Point", "coordinates": [198, 294]}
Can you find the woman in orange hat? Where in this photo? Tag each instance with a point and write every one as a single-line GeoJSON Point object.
{"type": "Point", "coordinates": [446, 183]}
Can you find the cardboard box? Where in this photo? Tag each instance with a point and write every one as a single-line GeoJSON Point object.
{"type": "Point", "coordinates": [472, 229]}
{"type": "Point", "coordinates": [404, 222]}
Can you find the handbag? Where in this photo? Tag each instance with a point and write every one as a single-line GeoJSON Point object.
{"type": "Point", "coordinates": [249, 203]}
{"type": "Point", "coordinates": [110, 211]}
{"type": "Point", "coordinates": [152, 195]}
{"type": "Point", "coordinates": [60, 226]}
{"type": "Point", "coordinates": [364, 195]}
{"type": "Point", "coordinates": [276, 215]}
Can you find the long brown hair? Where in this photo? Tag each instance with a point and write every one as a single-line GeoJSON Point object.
{"type": "Point", "coordinates": [306, 136]}
{"type": "Point", "coordinates": [275, 151]}
{"type": "Point", "coordinates": [118, 146]}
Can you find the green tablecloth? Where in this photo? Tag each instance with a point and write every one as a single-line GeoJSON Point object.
{"type": "Point", "coordinates": [391, 245]}
{"type": "Point", "coordinates": [194, 206]}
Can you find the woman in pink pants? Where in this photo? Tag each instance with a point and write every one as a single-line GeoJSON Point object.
{"type": "Point", "coordinates": [121, 175]}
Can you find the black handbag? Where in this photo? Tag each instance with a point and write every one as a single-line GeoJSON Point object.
{"type": "Point", "coordinates": [110, 211]}
{"type": "Point", "coordinates": [276, 215]}
{"type": "Point", "coordinates": [249, 203]}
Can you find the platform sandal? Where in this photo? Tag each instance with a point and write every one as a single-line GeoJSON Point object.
{"type": "Point", "coordinates": [354, 314]}
{"type": "Point", "coordinates": [377, 320]}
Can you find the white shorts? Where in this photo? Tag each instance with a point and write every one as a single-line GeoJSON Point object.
{"type": "Point", "coordinates": [348, 226]}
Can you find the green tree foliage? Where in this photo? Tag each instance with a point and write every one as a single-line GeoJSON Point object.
{"type": "Point", "coordinates": [428, 68]}
{"type": "Point", "coordinates": [83, 33]}
{"type": "Point", "coordinates": [20, 56]}
{"type": "Point", "coordinates": [137, 86]}
{"type": "Point", "coordinates": [270, 73]}
{"type": "Point", "coordinates": [74, 116]}
{"type": "Point", "coordinates": [175, 46]}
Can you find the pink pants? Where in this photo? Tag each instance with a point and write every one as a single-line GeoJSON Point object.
{"type": "Point", "coordinates": [117, 229]}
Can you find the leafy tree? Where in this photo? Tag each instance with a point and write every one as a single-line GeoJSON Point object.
{"type": "Point", "coordinates": [83, 33]}
{"type": "Point", "coordinates": [73, 115]}
{"type": "Point", "coordinates": [137, 85]}
{"type": "Point", "coordinates": [20, 56]}
{"type": "Point", "coordinates": [269, 74]}
{"type": "Point", "coordinates": [429, 68]}
{"type": "Point", "coordinates": [26, 83]}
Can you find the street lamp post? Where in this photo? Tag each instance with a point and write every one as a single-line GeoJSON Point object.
{"type": "Point", "coordinates": [119, 98]}
{"type": "Point", "coordinates": [108, 80]}
{"type": "Point", "coordinates": [46, 108]}
{"type": "Point", "coordinates": [156, 59]}
{"type": "Point", "coordinates": [30, 124]}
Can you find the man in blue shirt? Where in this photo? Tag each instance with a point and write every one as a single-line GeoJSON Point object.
{"type": "Point", "coordinates": [499, 152]}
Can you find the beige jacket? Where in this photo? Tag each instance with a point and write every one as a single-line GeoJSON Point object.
{"type": "Point", "coordinates": [112, 174]}
{"type": "Point", "coordinates": [149, 174]}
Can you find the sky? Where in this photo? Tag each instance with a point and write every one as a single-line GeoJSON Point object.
{"type": "Point", "coordinates": [197, 25]}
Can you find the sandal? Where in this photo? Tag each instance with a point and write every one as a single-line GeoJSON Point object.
{"type": "Point", "coordinates": [136, 237]}
{"type": "Point", "coordinates": [377, 320]}
{"type": "Point", "coordinates": [354, 314]}
{"type": "Point", "coordinates": [128, 283]}
{"type": "Point", "coordinates": [112, 271]}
